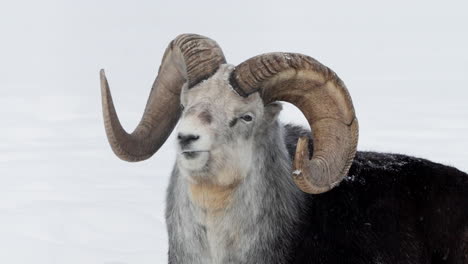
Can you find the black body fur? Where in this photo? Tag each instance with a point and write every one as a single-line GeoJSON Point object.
{"type": "Point", "coordinates": [390, 209]}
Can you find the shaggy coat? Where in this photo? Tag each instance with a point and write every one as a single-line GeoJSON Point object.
{"type": "Point", "coordinates": [234, 196]}
{"type": "Point", "coordinates": [389, 209]}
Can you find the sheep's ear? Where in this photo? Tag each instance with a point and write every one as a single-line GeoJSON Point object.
{"type": "Point", "coordinates": [183, 94]}
{"type": "Point", "coordinates": [272, 111]}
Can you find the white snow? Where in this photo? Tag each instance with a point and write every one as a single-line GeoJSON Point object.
{"type": "Point", "coordinates": [66, 198]}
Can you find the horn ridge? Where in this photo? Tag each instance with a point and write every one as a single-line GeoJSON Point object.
{"type": "Point", "coordinates": [188, 58]}
{"type": "Point", "coordinates": [324, 100]}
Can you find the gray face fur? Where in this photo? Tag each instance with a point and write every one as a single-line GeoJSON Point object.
{"type": "Point", "coordinates": [231, 198]}
{"type": "Point", "coordinates": [217, 130]}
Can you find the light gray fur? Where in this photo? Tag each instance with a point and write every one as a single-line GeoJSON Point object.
{"type": "Point", "coordinates": [263, 210]}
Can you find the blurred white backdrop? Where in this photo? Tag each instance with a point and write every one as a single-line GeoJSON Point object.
{"type": "Point", "coordinates": [65, 197]}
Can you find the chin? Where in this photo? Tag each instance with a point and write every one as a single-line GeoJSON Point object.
{"type": "Point", "coordinates": [196, 162]}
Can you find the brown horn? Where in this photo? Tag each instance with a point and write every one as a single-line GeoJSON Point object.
{"type": "Point", "coordinates": [188, 58]}
{"type": "Point", "coordinates": [323, 99]}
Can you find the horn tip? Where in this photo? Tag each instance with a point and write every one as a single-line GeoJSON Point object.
{"type": "Point", "coordinates": [104, 84]}
{"type": "Point", "coordinates": [302, 150]}
{"type": "Point", "coordinates": [302, 154]}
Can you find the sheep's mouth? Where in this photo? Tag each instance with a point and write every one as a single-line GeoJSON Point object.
{"type": "Point", "coordinates": [190, 154]}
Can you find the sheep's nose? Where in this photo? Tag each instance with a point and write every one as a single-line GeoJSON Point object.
{"type": "Point", "coordinates": [184, 140]}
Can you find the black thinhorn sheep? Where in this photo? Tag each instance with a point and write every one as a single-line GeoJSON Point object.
{"type": "Point", "coordinates": [247, 189]}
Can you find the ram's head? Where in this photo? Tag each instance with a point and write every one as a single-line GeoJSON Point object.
{"type": "Point", "coordinates": [223, 108]}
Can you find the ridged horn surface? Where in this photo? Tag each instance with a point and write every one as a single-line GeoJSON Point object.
{"type": "Point", "coordinates": [322, 98]}
{"type": "Point", "coordinates": [190, 59]}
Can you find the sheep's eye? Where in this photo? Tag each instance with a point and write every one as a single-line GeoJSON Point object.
{"type": "Point", "coordinates": [247, 118]}
{"type": "Point", "coordinates": [182, 107]}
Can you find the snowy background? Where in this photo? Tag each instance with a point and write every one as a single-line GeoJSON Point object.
{"type": "Point", "coordinates": [66, 198]}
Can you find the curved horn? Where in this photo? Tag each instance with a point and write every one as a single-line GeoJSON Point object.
{"type": "Point", "coordinates": [323, 99]}
{"type": "Point", "coordinates": [188, 58]}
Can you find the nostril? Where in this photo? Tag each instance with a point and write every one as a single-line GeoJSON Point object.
{"type": "Point", "coordinates": [186, 139]}
{"type": "Point", "coordinates": [190, 138]}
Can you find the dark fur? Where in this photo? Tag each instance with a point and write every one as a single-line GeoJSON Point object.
{"type": "Point", "coordinates": [390, 209]}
